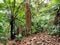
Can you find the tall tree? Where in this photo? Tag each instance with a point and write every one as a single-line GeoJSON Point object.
{"type": "Point", "coordinates": [28, 16]}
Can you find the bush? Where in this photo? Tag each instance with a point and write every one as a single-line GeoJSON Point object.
{"type": "Point", "coordinates": [19, 37]}
{"type": "Point", "coordinates": [54, 30]}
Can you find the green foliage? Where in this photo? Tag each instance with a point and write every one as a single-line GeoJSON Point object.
{"type": "Point", "coordinates": [55, 1]}
{"type": "Point", "coordinates": [33, 30]}
{"type": "Point", "coordinates": [54, 30]}
{"type": "Point", "coordinates": [19, 37]}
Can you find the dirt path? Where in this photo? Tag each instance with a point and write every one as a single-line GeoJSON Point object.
{"type": "Point", "coordinates": [39, 39]}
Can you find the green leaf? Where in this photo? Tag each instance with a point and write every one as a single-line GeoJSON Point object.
{"type": "Point", "coordinates": [19, 1]}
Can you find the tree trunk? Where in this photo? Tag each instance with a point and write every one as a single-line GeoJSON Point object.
{"type": "Point", "coordinates": [28, 16]}
{"type": "Point", "coordinates": [12, 27]}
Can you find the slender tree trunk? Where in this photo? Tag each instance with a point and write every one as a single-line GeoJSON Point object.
{"type": "Point", "coordinates": [28, 16]}
{"type": "Point", "coordinates": [12, 20]}
{"type": "Point", "coordinates": [12, 27]}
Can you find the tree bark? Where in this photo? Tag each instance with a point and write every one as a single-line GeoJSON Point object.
{"type": "Point", "coordinates": [28, 16]}
{"type": "Point", "coordinates": [12, 27]}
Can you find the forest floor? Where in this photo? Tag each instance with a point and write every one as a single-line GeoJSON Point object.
{"type": "Point", "coordinates": [37, 39]}
{"type": "Point", "coordinates": [41, 39]}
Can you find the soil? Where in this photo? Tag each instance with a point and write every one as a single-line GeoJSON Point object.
{"type": "Point", "coordinates": [37, 39]}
